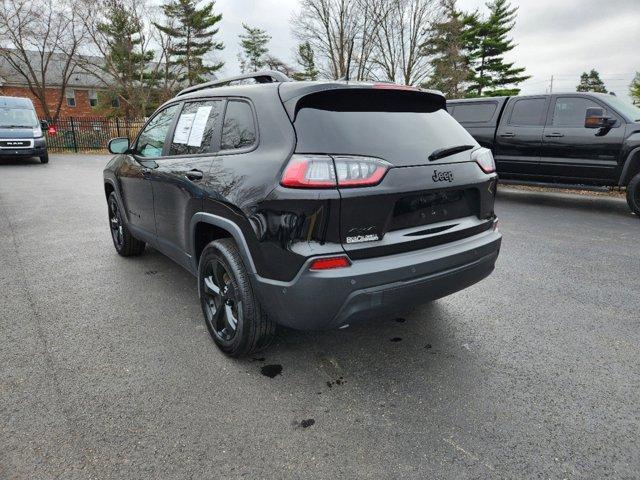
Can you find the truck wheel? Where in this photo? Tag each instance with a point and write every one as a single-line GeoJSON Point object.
{"type": "Point", "coordinates": [126, 245]}
{"type": "Point", "coordinates": [633, 194]}
{"type": "Point", "coordinates": [44, 158]}
{"type": "Point", "coordinates": [232, 312]}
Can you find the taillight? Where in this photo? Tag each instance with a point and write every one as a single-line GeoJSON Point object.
{"type": "Point", "coordinates": [484, 158]}
{"type": "Point", "coordinates": [329, 263]}
{"type": "Point", "coordinates": [304, 171]}
{"type": "Point", "coordinates": [323, 171]}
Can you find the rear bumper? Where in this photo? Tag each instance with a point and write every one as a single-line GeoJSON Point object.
{"type": "Point", "coordinates": [378, 286]}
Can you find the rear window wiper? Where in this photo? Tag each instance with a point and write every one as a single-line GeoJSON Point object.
{"type": "Point", "coordinates": [447, 152]}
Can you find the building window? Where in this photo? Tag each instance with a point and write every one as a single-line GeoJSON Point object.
{"type": "Point", "coordinates": [71, 97]}
{"type": "Point", "coordinates": [93, 98]}
{"type": "Point", "coordinates": [115, 102]}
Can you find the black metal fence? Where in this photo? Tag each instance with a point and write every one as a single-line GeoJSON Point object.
{"type": "Point", "coordinates": [87, 134]}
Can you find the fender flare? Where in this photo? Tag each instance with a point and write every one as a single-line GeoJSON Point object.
{"type": "Point", "coordinates": [633, 157]}
{"type": "Point", "coordinates": [116, 190]}
{"type": "Point", "coordinates": [225, 224]}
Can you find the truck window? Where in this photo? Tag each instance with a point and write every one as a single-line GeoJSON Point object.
{"type": "Point", "coordinates": [570, 111]}
{"type": "Point", "coordinates": [474, 112]}
{"type": "Point", "coordinates": [528, 112]}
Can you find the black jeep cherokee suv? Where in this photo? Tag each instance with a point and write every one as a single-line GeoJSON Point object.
{"type": "Point", "coordinates": [307, 204]}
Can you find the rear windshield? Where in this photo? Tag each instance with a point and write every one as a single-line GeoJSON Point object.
{"type": "Point", "coordinates": [401, 127]}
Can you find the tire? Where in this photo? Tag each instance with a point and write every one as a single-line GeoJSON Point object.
{"type": "Point", "coordinates": [124, 243]}
{"type": "Point", "coordinates": [633, 194]}
{"type": "Point", "coordinates": [233, 315]}
{"type": "Point", "coordinates": [44, 158]}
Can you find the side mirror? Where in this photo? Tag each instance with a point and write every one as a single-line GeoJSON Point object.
{"type": "Point", "coordinates": [118, 145]}
{"type": "Point", "coordinates": [44, 125]}
{"type": "Point", "coordinates": [596, 119]}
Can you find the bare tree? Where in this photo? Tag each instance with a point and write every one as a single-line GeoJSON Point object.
{"type": "Point", "coordinates": [331, 27]}
{"type": "Point", "coordinates": [40, 41]}
{"type": "Point", "coordinates": [369, 39]}
{"type": "Point", "coordinates": [402, 34]}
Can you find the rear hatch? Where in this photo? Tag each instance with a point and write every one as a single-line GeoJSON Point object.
{"type": "Point", "coordinates": [421, 201]}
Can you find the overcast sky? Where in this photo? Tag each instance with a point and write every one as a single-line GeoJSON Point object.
{"type": "Point", "coordinates": [555, 37]}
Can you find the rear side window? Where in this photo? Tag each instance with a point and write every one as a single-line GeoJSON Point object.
{"type": "Point", "coordinates": [402, 127]}
{"type": "Point", "coordinates": [474, 112]}
{"type": "Point", "coordinates": [196, 127]}
{"type": "Point", "coordinates": [571, 111]}
{"type": "Point", "coordinates": [528, 112]}
{"type": "Point", "coordinates": [238, 129]}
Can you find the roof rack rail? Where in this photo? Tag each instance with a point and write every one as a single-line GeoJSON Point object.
{"type": "Point", "coordinates": [263, 76]}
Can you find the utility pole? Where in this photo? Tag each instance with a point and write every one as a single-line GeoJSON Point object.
{"type": "Point", "coordinates": [551, 85]}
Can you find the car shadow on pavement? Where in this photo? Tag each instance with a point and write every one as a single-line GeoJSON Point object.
{"type": "Point", "coordinates": [567, 201]}
{"type": "Point", "coordinates": [27, 162]}
{"type": "Point", "coordinates": [404, 341]}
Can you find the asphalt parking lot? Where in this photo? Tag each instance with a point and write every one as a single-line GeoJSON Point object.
{"type": "Point", "coordinates": [107, 371]}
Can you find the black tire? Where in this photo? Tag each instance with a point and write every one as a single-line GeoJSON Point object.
{"type": "Point", "coordinates": [633, 194]}
{"type": "Point", "coordinates": [125, 243]}
{"type": "Point", "coordinates": [44, 158]}
{"type": "Point", "coordinates": [233, 315]}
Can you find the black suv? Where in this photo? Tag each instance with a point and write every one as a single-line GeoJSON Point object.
{"type": "Point", "coordinates": [306, 204]}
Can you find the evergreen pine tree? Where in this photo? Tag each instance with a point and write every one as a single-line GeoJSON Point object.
{"type": "Point", "coordinates": [487, 41]}
{"type": "Point", "coordinates": [447, 47]}
{"type": "Point", "coordinates": [124, 57]}
{"type": "Point", "coordinates": [306, 60]}
{"type": "Point", "coordinates": [194, 37]}
{"type": "Point", "coordinates": [254, 44]}
{"type": "Point", "coordinates": [634, 89]}
{"type": "Point", "coordinates": [591, 82]}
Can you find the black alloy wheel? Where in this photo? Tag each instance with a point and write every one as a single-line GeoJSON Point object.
{"type": "Point", "coordinates": [221, 303]}
{"type": "Point", "coordinates": [232, 312]}
{"type": "Point", "coordinates": [115, 222]}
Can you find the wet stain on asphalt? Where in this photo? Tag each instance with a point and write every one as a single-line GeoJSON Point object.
{"type": "Point", "coordinates": [401, 320]}
{"type": "Point", "coordinates": [151, 272]}
{"type": "Point", "coordinates": [307, 423]}
{"type": "Point", "coordinates": [427, 346]}
{"type": "Point", "coordinates": [396, 339]}
{"type": "Point", "coordinates": [271, 370]}
{"type": "Point", "coordinates": [258, 359]}
{"type": "Point", "coordinates": [339, 381]}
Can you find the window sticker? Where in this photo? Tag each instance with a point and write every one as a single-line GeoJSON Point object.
{"type": "Point", "coordinates": [198, 126]}
{"type": "Point", "coordinates": [183, 128]}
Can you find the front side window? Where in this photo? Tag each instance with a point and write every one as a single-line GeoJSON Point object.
{"type": "Point", "coordinates": [238, 130]}
{"type": "Point", "coordinates": [528, 112]}
{"type": "Point", "coordinates": [151, 140]}
{"type": "Point", "coordinates": [196, 128]}
{"type": "Point", "coordinates": [571, 111]}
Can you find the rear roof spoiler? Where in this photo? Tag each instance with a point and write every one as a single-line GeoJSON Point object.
{"type": "Point", "coordinates": [263, 76]}
{"type": "Point", "coordinates": [292, 93]}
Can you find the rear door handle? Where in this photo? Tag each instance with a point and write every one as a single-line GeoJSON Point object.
{"type": "Point", "coordinates": [555, 135]}
{"type": "Point", "coordinates": [507, 134]}
{"type": "Point", "coordinates": [194, 175]}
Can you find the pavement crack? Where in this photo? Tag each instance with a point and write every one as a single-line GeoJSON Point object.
{"type": "Point", "coordinates": [49, 362]}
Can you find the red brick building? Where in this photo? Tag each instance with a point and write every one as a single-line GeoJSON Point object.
{"type": "Point", "coordinates": [80, 98]}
